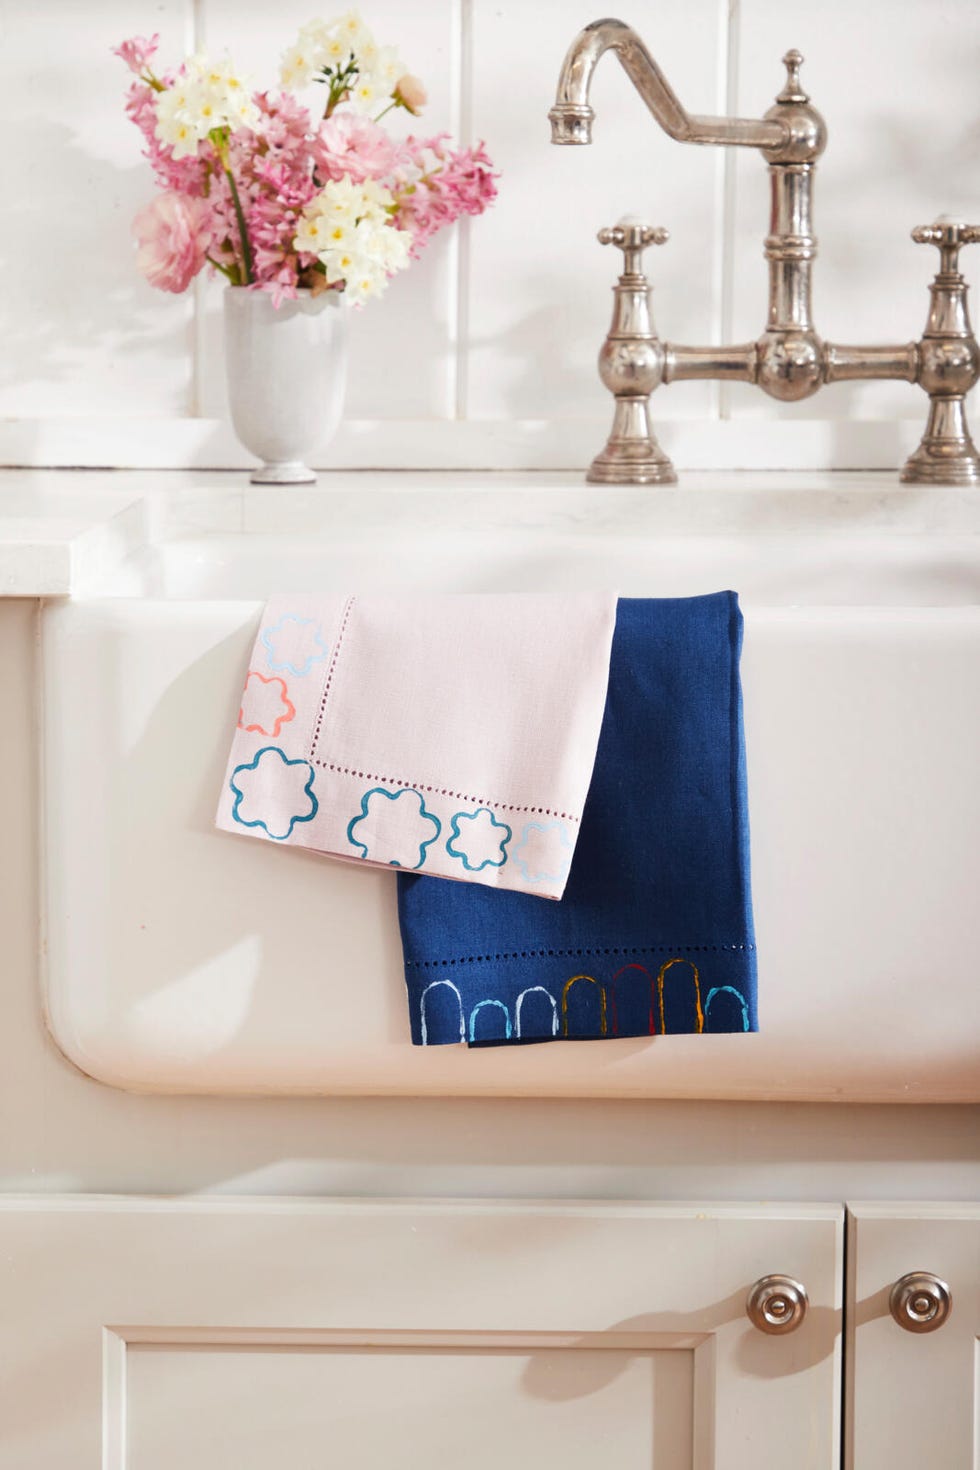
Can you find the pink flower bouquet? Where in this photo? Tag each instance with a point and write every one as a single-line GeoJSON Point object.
{"type": "Point", "coordinates": [272, 198]}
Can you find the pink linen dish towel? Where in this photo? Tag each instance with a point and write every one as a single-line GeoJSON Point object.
{"type": "Point", "coordinates": [448, 735]}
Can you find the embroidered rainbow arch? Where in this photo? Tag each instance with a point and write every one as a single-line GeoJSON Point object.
{"type": "Point", "coordinates": [661, 977]}
{"type": "Point", "coordinates": [605, 994]}
{"type": "Point", "coordinates": [534, 990]}
{"type": "Point", "coordinates": [651, 1027]}
{"type": "Point", "coordinates": [603, 1025]}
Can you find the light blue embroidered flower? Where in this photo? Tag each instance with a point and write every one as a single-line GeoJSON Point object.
{"type": "Point", "coordinates": [395, 827]}
{"type": "Point", "coordinates": [481, 842]}
{"type": "Point", "coordinates": [292, 782]}
{"type": "Point", "coordinates": [301, 637]}
{"type": "Point", "coordinates": [544, 853]}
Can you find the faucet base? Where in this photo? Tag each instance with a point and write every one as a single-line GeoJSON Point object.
{"type": "Point", "coordinates": [947, 454]}
{"type": "Point", "coordinates": [929, 466]}
{"type": "Point", "coordinates": [632, 455]}
{"type": "Point", "coordinates": [605, 470]}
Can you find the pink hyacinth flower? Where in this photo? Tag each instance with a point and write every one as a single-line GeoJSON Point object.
{"type": "Point", "coordinates": [173, 236]}
{"type": "Point", "coordinates": [138, 52]}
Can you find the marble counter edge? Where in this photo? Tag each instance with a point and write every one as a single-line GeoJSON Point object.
{"type": "Point", "coordinates": [62, 532]}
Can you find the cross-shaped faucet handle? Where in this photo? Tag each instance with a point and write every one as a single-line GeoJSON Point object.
{"type": "Point", "coordinates": [949, 236]}
{"type": "Point", "coordinates": [632, 237]}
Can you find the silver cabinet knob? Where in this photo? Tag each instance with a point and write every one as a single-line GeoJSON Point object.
{"type": "Point", "coordinates": [777, 1304]}
{"type": "Point", "coordinates": [920, 1302]}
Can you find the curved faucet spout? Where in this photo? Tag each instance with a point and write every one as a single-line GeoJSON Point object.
{"type": "Point", "coordinates": [572, 116]}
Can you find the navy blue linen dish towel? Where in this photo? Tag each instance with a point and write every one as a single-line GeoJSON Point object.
{"type": "Point", "coordinates": [654, 934]}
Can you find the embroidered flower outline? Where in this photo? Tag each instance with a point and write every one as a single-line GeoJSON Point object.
{"type": "Point", "coordinates": [262, 705]}
{"type": "Point", "coordinates": [392, 842]}
{"type": "Point", "coordinates": [543, 860]}
{"type": "Point", "coordinates": [479, 846]}
{"type": "Point", "coordinates": [292, 796]}
{"type": "Point", "coordinates": [318, 650]}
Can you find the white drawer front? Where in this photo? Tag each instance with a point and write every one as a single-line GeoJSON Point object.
{"type": "Point", "coordinates": [237, 1335]}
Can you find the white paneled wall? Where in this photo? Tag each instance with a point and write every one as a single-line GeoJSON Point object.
{"type": "Point", "coordinates": [898, 82]}
{"type": "Point", "coordinates": [539, 282]}
{"type": "Point", "coordinates": [82, 334]}
{"type": "Point", "coordinates": [484, 353]}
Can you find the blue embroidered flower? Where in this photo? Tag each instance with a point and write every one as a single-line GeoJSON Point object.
{"type": "Point", "coordinates": [481, 842]}
{"type": "Point", "coordinates": [395, 827]}
{"type": "Point", "coordinates": [294, 644]}
{"type": "Point", "coordinates": [544, 853]}
{"type": "Point", "coordinates": [273, 792]}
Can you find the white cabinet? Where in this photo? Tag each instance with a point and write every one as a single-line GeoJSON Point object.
{"type": "Point", "coordinates": [912, 1395]}
{"type": "Point", "coordinates": [290, 1334]}
{"type": "Point", "coordinates": [293, 1334]}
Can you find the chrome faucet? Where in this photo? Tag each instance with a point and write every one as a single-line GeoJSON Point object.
{"type": "Point", "coordinates": [789, 360]}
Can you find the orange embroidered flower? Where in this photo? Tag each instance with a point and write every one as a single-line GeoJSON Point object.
{"type": "Point", "coordinates": [264, 709]}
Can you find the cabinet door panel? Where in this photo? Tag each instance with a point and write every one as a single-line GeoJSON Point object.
{"type": "Point", "coordinates": [912, 1397]}
{"type": "Point", "coordinates": [411, 1406]}
{"type": "Point", "coordinates": [233, 1335]}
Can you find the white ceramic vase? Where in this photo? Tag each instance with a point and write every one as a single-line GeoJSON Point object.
{"type": "Point", "coordinates": [287, 372]}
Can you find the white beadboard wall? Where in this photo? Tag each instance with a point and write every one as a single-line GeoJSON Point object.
{"type": "Point", "coordinates": [483, 355]}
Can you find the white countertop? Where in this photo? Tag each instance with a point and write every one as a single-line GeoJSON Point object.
{"type": "Point", "coordinates": [62, 530]}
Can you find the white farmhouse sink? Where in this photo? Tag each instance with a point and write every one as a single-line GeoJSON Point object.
{"type": "Point", "coordinates": [183, 959]}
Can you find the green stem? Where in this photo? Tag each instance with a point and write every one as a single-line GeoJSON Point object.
{"type": "Point", "coordinates": [224, 269]}
{"type": "Point", "coordinates": [334, 99]}
{"type": "Point", "coordinates": [242, 231]}
{"type": "Point", "coordinates": [385, 110]}
{"type": "Point", "coordinates": [339, 80]}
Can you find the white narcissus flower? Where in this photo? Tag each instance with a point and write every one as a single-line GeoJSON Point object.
{"type": "Point", "coordinates": [170, 105]}
{"type": "Point", "coordinates": [336, 51]}
{"type": "Point", "coordinates": [376, 198]}
{"type": "Point", "coordinates": [174, 127]}
{"type": "Point", "coordinates": [327, 43]}
{"type": "Point", "coordinates": [364, 94]}
{"type": "Point", "coordinates": [363, 285]}
{"type": "Point", "coordinates": [340, 265]}
{"type": "Point", "coordinates": [339, 234]}
{"type": "Point", "coordinates": [368, 52]}
{"type": "Point", "coordinates": [347, 227]}
{"type": "Point", "coordinates": [222, 94]}
{"type": "Point", "coordinates": [241, 112]}
{"type": "Point", "coordinates": [206, 112]}
{"type": "Point", "coordinates": [218, 79]}
{"type": "Point", "coordinates": [339, 199]}
{"type": "Point", "coordinates": [311, 234]}
{"type": "Point", "coordinates": [351, 28]}
{"type": "Point", "coordinates": [386, 70]}
{"type": "Point", "coordinates": [298, 67]}
{"type": "Point", "coordinates": [208, 95]}
{"type": "Point", "coordinates": [330, 44]}
{"type": "Point", "coordinates": [346, 200]}
{"type": "Point", "coordinates": [391, 248]}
